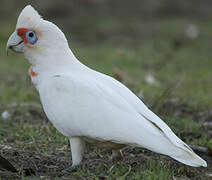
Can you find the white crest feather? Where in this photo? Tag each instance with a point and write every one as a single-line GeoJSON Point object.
{"type": "Point", "coordinates": [29, 17]}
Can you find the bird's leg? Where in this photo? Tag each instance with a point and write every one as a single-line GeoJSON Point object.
{"type": "Point", "coordinates": [77, 151]}
{"type": "Point", "coordinates": [116, 155]}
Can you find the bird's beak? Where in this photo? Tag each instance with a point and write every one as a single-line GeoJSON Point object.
{"type": "Point", "coordinates": [15, 43]}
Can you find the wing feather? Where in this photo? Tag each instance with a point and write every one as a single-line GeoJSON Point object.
{"type": "Point", "coordinates": [102, 108]}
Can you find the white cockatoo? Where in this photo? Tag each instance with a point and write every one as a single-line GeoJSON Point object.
{"type": "Point", "coordinates": [86, 105]}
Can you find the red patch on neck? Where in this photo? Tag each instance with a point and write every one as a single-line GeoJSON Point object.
{"type": "Point", "coordinates": [22, 33]}
{"type": "Point", "coordinates": [32, 73]}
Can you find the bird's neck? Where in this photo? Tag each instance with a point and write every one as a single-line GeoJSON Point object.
{"type": "Point", "coordinates": [52, 63]}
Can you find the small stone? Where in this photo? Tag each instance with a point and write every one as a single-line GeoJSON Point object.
{"type": "Point", "coordinates": [5, 115]}
{"type": "Point", "coordinates": [192, 31]}
{"type": "Point", "coordinates": [150, 79]}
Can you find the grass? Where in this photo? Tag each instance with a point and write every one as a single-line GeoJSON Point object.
{"type": "Point", "coordinates": [180, 66]}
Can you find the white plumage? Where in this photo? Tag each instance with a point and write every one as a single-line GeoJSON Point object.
{"type": "Point", "coordinates": [86, 105]}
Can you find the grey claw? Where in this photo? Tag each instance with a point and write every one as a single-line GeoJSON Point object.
{"type": "Point", "coordinates": [69, 169]}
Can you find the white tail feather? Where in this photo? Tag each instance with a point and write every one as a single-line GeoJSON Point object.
{"type": "Point", "coordinates": [190, 158]}
{"type": "Point", "coordinates": [182, 152]}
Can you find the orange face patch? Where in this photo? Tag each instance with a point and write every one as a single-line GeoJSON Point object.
{"type": "Point", "coordinates": [22, 33]}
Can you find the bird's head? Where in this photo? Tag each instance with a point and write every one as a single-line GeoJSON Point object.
{"type": "Point", "coordinates": [36, 37]}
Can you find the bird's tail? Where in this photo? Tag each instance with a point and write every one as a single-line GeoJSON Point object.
{"type": "Point", "coordinates": [169, 144]}
{"type": "Point", "coordinates": [187, 156]}
{"type": "Point", "coordinates": [172, 145]}
{"type": "Point", "coordinates": [181, 152]}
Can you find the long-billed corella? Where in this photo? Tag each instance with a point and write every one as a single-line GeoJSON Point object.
{"type": "Point", "coordinates": [86, 105]}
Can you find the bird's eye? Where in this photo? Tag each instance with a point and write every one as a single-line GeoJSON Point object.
{"type": "Point", "coordinates": [31, 37]}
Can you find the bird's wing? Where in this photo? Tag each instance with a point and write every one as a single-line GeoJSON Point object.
{"type": "Point", "coordinates": [141, 108]}
{"type": "Point", "coordinates": [102, 108]}
{"type": "Point", "coordinates": [148, 115]}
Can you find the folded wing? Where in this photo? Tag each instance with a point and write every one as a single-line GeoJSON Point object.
{"type": "Point", "coordinates": [104, 109]}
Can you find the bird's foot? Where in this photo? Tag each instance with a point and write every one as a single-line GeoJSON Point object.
{"type": "Point", "coordinates": [70, 169]}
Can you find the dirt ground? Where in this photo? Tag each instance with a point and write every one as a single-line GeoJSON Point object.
{"type": "Point", "coordinates": [32, 164]}
{"type": "Point", "coordinates": [37, 166]}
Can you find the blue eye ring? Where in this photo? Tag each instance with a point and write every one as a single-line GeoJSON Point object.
{"type": "Point", "coordinates": [31, 37]}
